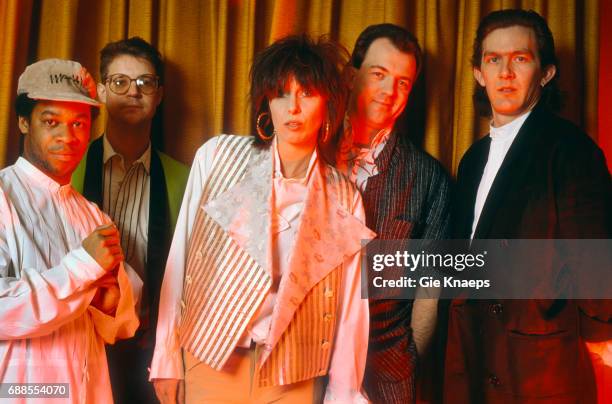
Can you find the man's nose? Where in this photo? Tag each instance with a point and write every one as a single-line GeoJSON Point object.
{"type": "Point", "coordinates": [389, 85]}
{"type": "Point", "coordinates": [68, 134]}
{"type": "Point", "coordinates": [133, 90]}
{"type": "Point", "coordinates": [505, 69]}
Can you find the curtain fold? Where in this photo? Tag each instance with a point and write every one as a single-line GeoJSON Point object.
{"type": "Point", "coordinates": [208, 47]}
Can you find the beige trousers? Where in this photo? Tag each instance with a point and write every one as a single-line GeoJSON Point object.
{"type": "Point", "coordinates": [237, 383]}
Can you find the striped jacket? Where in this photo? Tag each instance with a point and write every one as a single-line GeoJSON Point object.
{"type": "Point", "coordinates": [227, 273]}
{"type": "Point", "coordinates": [408, 199]}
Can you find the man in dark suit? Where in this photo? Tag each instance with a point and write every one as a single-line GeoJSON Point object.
{"type": "Point", "coordinates": [405, 195]}
{"type": "Point", "coordinates": [535, 176]}
{"type": "Point", "coordinates": [140, 188]}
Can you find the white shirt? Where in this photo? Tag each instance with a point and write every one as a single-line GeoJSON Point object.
{"type": "Point", "coordinates": [49, 333]}
{"type": "Point", "coordinates": [501, 140]}
{"type": "Point", "coordinates": [356, 162]}
{"type": "Point", "coordinates": [126, 200]}
{"type": "Point", "coordinates": [289, 195]}
{"type": "Point", "coordinates": [167, 359]}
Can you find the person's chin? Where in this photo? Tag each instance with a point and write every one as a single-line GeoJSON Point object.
{"type": "Point", "coordinates": [134, 118]}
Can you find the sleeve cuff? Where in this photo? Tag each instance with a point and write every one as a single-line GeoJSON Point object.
{"type": "Point", "coordinates": [166, 365]}
{"type": "Point", "coordinates": [83, 266]}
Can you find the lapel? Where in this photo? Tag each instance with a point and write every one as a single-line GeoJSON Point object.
{"type": "Point", "coordinates": [468, 181]}
{"type": "Point", "coordinates": [514, 167]}
{"type": "Point", "coordinates": [94, 167]}
{"type": "Point", "coordinates": [328, 236]}
{"type": "Point", "coordinates": [158, 237]}
{"type": "Point", "coordinates": [243, 211]}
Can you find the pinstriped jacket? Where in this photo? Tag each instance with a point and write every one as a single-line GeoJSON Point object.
{"type": "Point", "coordinates": [227, 274]}
{"type": "Point", "coordinates": [408, 198]}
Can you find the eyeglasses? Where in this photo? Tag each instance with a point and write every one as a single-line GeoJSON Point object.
{"type": "Point", "coordinates": [120, 83]}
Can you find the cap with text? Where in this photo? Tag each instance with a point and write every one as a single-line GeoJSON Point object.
{"type": "Point", "coordinates": [58, 80]}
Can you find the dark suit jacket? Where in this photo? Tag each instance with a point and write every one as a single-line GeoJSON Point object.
{"type": "Point", "coordinates": [408, 198]}
{"type": "Point", "coordinates": [552, 184]}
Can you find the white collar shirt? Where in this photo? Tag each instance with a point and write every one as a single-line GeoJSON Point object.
{"type": "Point", "coordinates": [501, 140]}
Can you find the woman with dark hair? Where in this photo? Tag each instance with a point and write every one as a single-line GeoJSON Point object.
{"type": "Point", "coordinates": [261, 294]}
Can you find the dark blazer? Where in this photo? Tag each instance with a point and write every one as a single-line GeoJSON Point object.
{"type": "Point", "coordinates": [408, 198]}
{"type": "Point", "coordinates": [552, 184]}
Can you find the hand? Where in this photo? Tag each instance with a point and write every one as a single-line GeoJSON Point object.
{"type": "Point", "coordinates": [103, 246]}
{"type": "Point", "coordinates": [107, 296]}
{"type": "Point", "coordinates": [170, 391]}
{"type": "Point", "coordinates": [603, 350]}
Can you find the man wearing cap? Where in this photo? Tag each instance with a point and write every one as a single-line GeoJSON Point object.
{"type": "Point", "coordinates": [140, 188]}
{"type": "Point", "coordinates": [64, 291]}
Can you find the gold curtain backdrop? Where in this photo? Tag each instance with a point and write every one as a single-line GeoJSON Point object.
{"type": "Point", "coordinates": [208, 46]}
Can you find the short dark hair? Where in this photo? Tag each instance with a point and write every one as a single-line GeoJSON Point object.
{"type": "Point", "coordinates": [134, 46]}
{"type": "Point", "coordinates": [24, 106]}
{"type": "Point", "coordinates": [551, 95]}
{"type": "Point", "coordinates": [316, 65]}
{"type": "Point", "coordinates": [400, 37]}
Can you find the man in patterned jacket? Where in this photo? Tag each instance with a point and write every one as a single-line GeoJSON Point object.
{"type": "Point", "coordinates": [405, 195]}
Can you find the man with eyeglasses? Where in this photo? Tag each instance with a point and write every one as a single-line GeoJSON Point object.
{"type": "Point", "coordinates": [141, 190]}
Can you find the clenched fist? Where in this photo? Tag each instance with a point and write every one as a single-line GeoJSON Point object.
{"type": "Point", "coordinates": [107, 296]}
{"type": "Point", "coordinates": [103, 246]}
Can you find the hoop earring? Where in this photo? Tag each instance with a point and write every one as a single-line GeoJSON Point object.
{"type": "Point", "coordinates": [326, 132]}
{"type": "Point", "coordinates": [260, 131]}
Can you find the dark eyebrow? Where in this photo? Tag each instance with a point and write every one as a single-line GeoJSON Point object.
{"type": "Point", "coordinates": [379, 67]}
{"type": "Point", "coordinates": [386, 70]}
{"type": "Point", "coordinates": [49, 112]}
{"type": "Point", "coordinates": [524, 50]}
{"type": "Point", "coordinates": [54, 114]}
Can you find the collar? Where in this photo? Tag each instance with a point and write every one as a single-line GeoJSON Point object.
{"type": "Point", "coordinates": [108, 153]}
{"type": "Point", "coordinates": [278, 172]}
{"type": "Point", "coordinates": [38, 177]}
{"type": "Point", "coordinates": [348, 151]}
{"type": "Point", "coordinates": [509, 130]}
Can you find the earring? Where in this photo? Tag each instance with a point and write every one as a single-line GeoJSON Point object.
{"type": "Point", "coordinates": [260, 130]}
{"type": "Point", "coordinates": [326, 132]}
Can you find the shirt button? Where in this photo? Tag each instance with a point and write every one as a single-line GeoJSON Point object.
{"type": "Point", "coordinates": [188, 279]}
{"type": "Point", "coordinates": [183, 305]}
{"type": "Point", "coordinates": [325, 344]}
{"type": "Point", "coordinates": [199, 255]}
{"type": "Point", "coordinates": [494, 380]}
{"type": "Point", "coordinates": [329, 293]}
{"type": "Point", "coordinates": [322, 372]}
{"type": "Point", "coordinates": [327, 317]}
{"type": "Point", "coordinates": [496, 309]}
